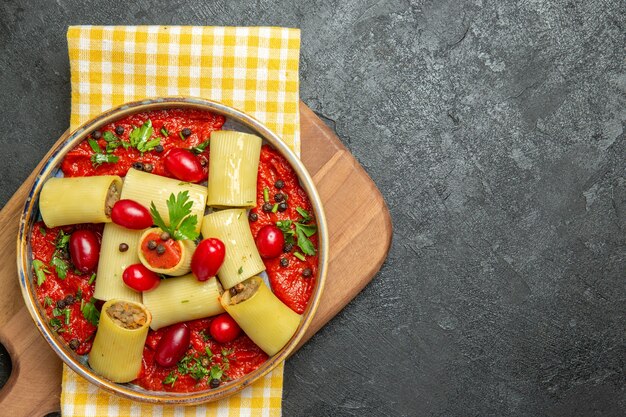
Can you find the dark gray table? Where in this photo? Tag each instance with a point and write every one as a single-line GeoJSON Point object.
{"type": "Point", "coordinates": [495, 131]}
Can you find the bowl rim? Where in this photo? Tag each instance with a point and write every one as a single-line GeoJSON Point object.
{"type": "Point", "coordinates": [24, 263]}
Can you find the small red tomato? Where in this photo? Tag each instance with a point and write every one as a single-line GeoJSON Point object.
{"type": "Point", "coordinates": [131, 215]}
{"type": "Point", "coordinates": [140, 278]}
{"type": "Point", "coordinates": [173, 345]}
{"type": "Point", "coordinates": [207, 258]}
{"type": "Point", "coordinates": [270, 241]}
{"type": "Point", "coordinates": [184, 165]}
{"type": "Point", "coordinates": [84, 250]}
{"type": "Point", "coordinates": [224, 328]}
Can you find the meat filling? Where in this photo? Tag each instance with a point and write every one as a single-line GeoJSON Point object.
{"type": "Point", "coordinates": [244, 291]}
{"type": "Point", "coordinates": [126, 315]}
{"type": "Point", "coordinates": [113, 195]}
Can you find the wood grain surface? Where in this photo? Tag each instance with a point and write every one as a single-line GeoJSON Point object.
{"type": "Point", "coordinates": [360, 232]}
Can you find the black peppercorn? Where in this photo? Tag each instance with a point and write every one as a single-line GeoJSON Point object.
{"type": "Point", "coordinates": [165, 236]}
{"type": "Point", "coordinates": [160, 249]}
{"type": "Point", "coordinates": [267, 207]}
{"type": "Point", "coordinates": [152, 244]}
{"type": "Point", "coordinates": [69, 299]}
{"type": "Point", "coordinates": [284, 262]}
{"type": "Point", "coordinates": [282, 206]}
{"type": "Point", "coordinates": [279, 197]}
{"type": "Point", "coordinates": [279, 184]}
{"type": "Point", "coordinates": [138, 165]}
{"type": "Point", "coordinates": [123, 247]}
{"type": "Point", "coordinates": [61, 304]}
{"type": "Point", "coordinates": [253, 216]}
{"type": "Point", "coordinates": [74, 344]}
{"type": "Point", "coordinates": [96, 134]}
{"type": "Point", "coordinates": [186, 132]}
{"type": "Point", "coordinates": [215, 383]}
{"type": "Point", "coordinates": [158, 148]}
{"type": "Point", "coordinates": [287, 247]}
{"type": "Point", "coordinates": [306, 273]}
{"type": "Point", "coordinates": [119, 130]}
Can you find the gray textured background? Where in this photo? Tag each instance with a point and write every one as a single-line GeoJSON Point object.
{"type": "Point", "coordinates": [495, 131]}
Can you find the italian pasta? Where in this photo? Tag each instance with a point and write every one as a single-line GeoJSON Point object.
{"type": "Point", "coordinates": [109, 284]}
{"type": "Point", "coordinates": [265, 319]}
{"type": "Point", "coordinates": [233, 165]}
{"type": "Point", "coordinates": [242, 260]}
{"type": "Point", "coordinates": [147, 188]}
{"type": "Point", "coordinates": [65, 201]}
{"type": "Point", "coordinates": [118, 346]}
{"type": "Point", "coordinates": [181, 299]}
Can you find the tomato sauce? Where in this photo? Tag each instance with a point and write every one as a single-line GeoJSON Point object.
{"type": "Point", "coordinates": [288, 283]}
{"type": "Point", "coordinates": [234, 359]}
{"type": "Point", "coordinates": [55, 289]}
{"type": "Point", "coordinates": [169, 259]}
{"type": "Point", "coordinates": [77, 163]}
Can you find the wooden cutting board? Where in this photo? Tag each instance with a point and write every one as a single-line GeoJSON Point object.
{"type": "Point", "coordinates": [359, 233]}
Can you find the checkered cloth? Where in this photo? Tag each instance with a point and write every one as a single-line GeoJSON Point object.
{"type": "Point", "coordinates": [252, 69]}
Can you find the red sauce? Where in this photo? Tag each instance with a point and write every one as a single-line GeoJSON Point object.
{"type": "Point", "coordinates": [236, 358]}
{"type": "Point", "coordinates": [169, 259]}
{"type": "Point", "coordinates": [287, 282]}
{"type": "Point", "coordinates": [75, 284]}
{"type": "Point", "coordinates": [77, 163]}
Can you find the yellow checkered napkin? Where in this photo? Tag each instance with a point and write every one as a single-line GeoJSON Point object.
{"type": "Point", "coordinates": [252, 69]}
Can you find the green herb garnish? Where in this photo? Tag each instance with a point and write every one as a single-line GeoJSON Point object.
{"type": "Point", "coordinates": [140, 137]}
{"type": "Point", "coordinates": [90, 312]}
{"type": "Point", "coordinates": [47, 301]}
{"type": "Point", "coordinates": [299, 256]}
{"type": "Point", "coordinates": [60, 266]}
{"type": "Point", "coordinates": [275, 208]}
{"type": "Point", "coordinates": [113, 142]}
{"type": "Point", "coordinates": [301, 231]}
{"type": "Point", "coordinates": [164, 132]}
{"type": "Point", "coordinates": [266, 194]}
{"type": "Point", "coordinates": [40, 271]}
{"type": "Point", "coordinates": [182, 225]}
{"type": "Point", "coordinates": [67, 313]}
{"type": "Point", "coordinates": [216, 372]}
{"type": "Point", "coordinates": [98, 159]}
{"type": "Point", "coordinates": [208, 351]}
{"type": "Point", "coordinates": [198, 149]}
{"type": "Point", "coordinates": [170, 379]}
{"type": "Point", "coordinates": [42, 230]}
{"type": "Point", "coordinates": [92, 278]}
{"type": "Point", "coordinates": [55, 323]}
{"type": "Point", "coordinates": [240, 270]}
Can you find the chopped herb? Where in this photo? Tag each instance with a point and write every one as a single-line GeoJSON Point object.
{"type": "Point", "coordinates": [182, 137]}
{"type": "Point", "coordinates": [90, 312]}
{"type": "Point", "coordinates": [170, 379]}
{"type": "Point", "coordinates": [60, 266]}
{"type": "Point", "coordinates": [304, 232]}
{"type": "Point", "coordinates": [182, 225]}
{"type": "Point", "coordinates": [67, 313]}
{"type": "Point", "coordinates": [98, 159]}
{"type": "Point", "coordinates": [47, 301]}
{"type": "Point", "coordinates": [208, 352]}
{"type": "Point", "coordinates": [62, 240]}
{"type": "Point", "coordinates": [216, 372]}
{"type": "Point", "coordinates": [79, 294]}
{"type": "Point", "coordinates": [164, 132]}
{"type": "Point", "coordinates": [275, 208]}
{"type": "Point", "coordinates": [299, 256]}
{"type": "Point", "coordinates": [140, 137]}
{"type": "Point", "coordinates": [240, 270]}
{"type": "Point", "coordinates": [42, 230]}
{"type": "Point", "coordinates": [184, 183]}
{"type": "Point", "coordinates": [55, 323]}
{"type": "Point", "coordinates": [200, 148]}
{"type": "Point", "coordinates": [92, 278]}
{"type": "Point", "coordinates": [266, 194]}
{"type": "Point", "coordinates": [40, 271]}
{"type": "Point", "coordinates": [306, 217]}
{"type": "Point", "coordinates": [94, 146]}
{"type": "Point", "coordinates": [57, 312]}
{"type": "Point", "coordinates": [184, 301]}
{"type": "Point", "coordinates": [113, 142]}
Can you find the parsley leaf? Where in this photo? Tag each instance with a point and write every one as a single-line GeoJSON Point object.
{"type": "Point", "coordinates": [60, 266]}
{"type": "Point", "coordinates": [216, 372]}
{"type": "Point", "coordinates": [98, 159]}
{"type": "Point", "coordinates": [182, 226]}
{"type": "Point", "coordinates": [40, 271]}
{"type": "Point", "coordinates": [302, 232]}
{"type": "Point", "coordinates": [47, 301]}
{"type": "Point", "coordinates": [306, 217]}
{"type": "Point", "coordinates": [170, 379]}
{"type": "Point", "coordinates": [90, 312]}
{"type": "Point", "coordinates": [113, 142]}
{"type": "Point", "coordinates": [198, 149]}
{"type": "Point", "coordinates": [140, 137]}
{"type": "Point", "coordinates": [62, 240]}
{"type": "Point", "coordinates": [55, 323]}
{"type": "Point", "coordinates": [94, 145]}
